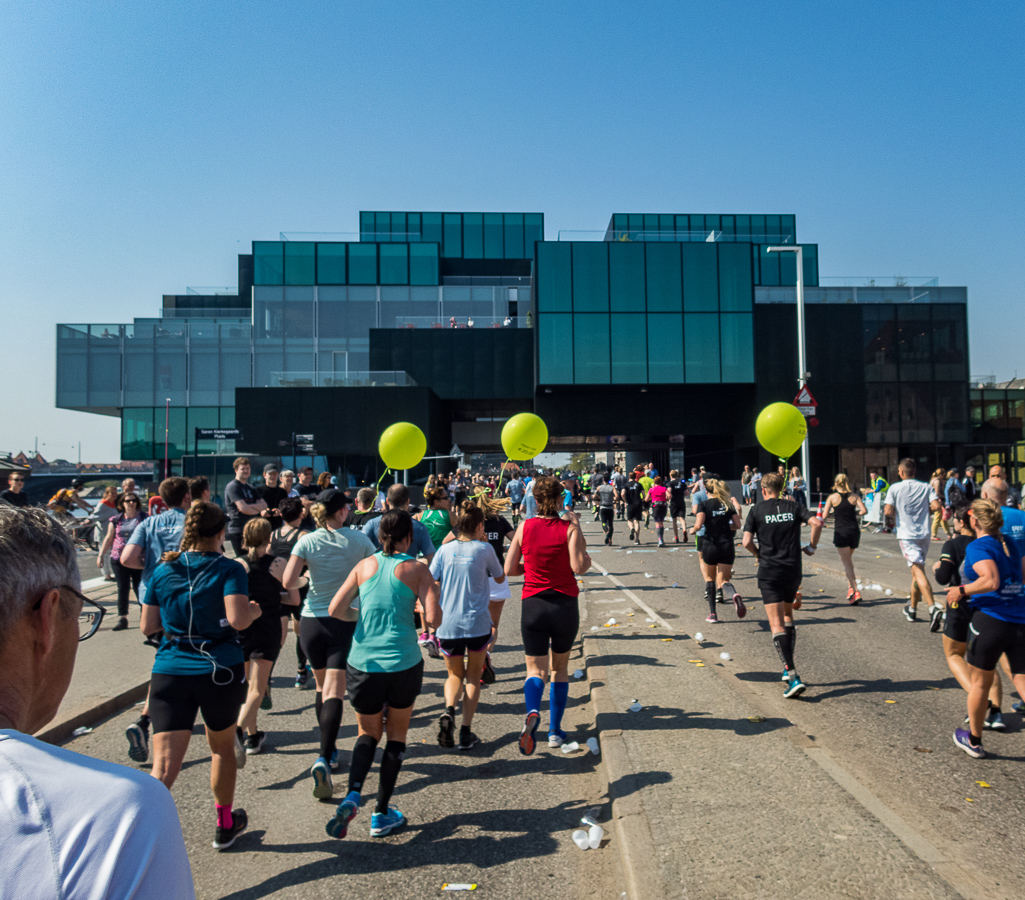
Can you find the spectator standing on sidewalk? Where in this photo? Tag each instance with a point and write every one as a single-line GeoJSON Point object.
{"type": "Point", "coordinates": [911, 502]}
{"type": "Point", "coordinates": [15, 493]}
{"type": "Point", "coordinates": [57, 840]}
{"type": "Point", "coordinates": [242, 502]}
{"type": "Point", "coordinates": [130, 515]}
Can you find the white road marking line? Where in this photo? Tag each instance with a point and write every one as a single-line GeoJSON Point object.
{"type": "Point", "coordinates": [633, 596]}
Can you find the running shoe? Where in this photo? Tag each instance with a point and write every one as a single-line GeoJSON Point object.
{"type": "Point", "coordinates": [608, 540]}
{"type": "Point", "coordinates": [676, 539]}
{"type": "Point", "coordinates": [527, 741]}
{"type": "Point", "coordinates": [850, 595]}
{"type": "Point", "coordinates": [138, 742]}
{"type": "Point", "coordinates": [935, 617]}
{"type": "Point", "coordinates": [468, 740]}
{"type": "Point", "coordinates": [963, 739]}
{"type": "Point", "coordinates": [385, 823]}
{"type": "Point", "coordinates": [266, 702]}
{"type": "Point", "coordinates": [795, 688]}
{"type": "Point", "coordinates": [1019, 707]}
{"type": "Point", "coordinates": [661, 543]}
{"type": "Point", "coordinates": [347, 810]}
{"type": "Point", "coordinates": [333, 762]}
{"type": "Point", "coordinates": [995, 721]}
{"type": "Point", "coordinates": [434, 647]}
{"type": "Point", "coordinates": [446, 729]}
{"type": "Point", "coordinates": [254, 743]}
{"type": "Point", "coordinates": [225, 837]}
{"type": "Point", "coordinates": [785, 676]}
{"type": "Point", "coordinates": [738, 605]}
{"type": "Point", "coordinates": [637, 538]}
{"type": "Point", "coordinates": [424, 639]}
{"type": "Point", "coordinates": [321, 772]}
{"type": "Point", "coordinates": [556, 739]}
{"type": "Point", "coordinates": [302, 678]}
{"type": "Point", "coordinates": [720, 597]}
{"type": "Point", "coordinates": [854, 598]}
{"type": "Point", "coordinates": [122, 625]}
{"type": "Point", "coordinates": [910, 613]}
{"type": "Point", "coordinates": [798, 599]}
{"type": "Point", "coordinates": [488, 675]}
{"type": "Point", "coordinates": [712, 619]}
{"type": "Point", "coordinates": [240, 749]}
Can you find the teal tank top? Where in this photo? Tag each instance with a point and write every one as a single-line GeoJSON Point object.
{"type": "Point", "coordinates": [385, 637]}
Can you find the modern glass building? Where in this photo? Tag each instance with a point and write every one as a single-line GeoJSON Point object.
{"type": "Point", "coordinates": [662, 333]}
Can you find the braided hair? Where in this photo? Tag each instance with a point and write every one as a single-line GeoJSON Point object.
{"type": "Point", "coordinates": [202, 522]}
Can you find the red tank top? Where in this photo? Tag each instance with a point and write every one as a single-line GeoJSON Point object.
{"type": "Point", "coordinates": [546, 558]}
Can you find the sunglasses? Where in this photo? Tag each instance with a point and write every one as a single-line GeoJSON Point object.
{"type": "Point", "coordinates": [88, 619]}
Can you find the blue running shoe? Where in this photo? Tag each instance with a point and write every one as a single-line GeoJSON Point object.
{"type": "Point", "coordinates": [347, 810]}
{"type": "Point", "coordinates": [385, 823]}
{"type": "Point", "coordinates": [785, 676]}
{"type": "Point", "coordinates": [527, 740]}
{"type": "Point", "coordinates": [322, 787]}
{"type": "Point", "coordinates": [795, 688]}
{"type": "Point", "coordinates": [334, 760]}
{"type": "Point", "coordinates": [963, 739]}
{"type": "Point", "coordinates": [1019, 707]}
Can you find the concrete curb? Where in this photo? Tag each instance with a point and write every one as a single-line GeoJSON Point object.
{"type": "Point", "coordinates": [61, 728]}
{"type": "Point", "coordinates": [637, 851]}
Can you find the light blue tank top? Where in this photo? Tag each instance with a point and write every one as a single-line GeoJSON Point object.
{"type": "Point", "coordinates": [385, 637]}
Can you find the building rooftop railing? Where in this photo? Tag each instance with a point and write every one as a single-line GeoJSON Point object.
{"type": "Point", "coordinates": [879, 281]}
{"type": "Point", "coordinates": [388, 237]}
{"type": "Point", "coordinates": [211, 313]}
{"type": "Point", "coordinates": [340, 379]}
{"type": "Point", "coordinates": [462, 322]}
{"type": "Point", "coordinates": [212, 291]}
{"type": "Point", "coordinates": [670, 236]}
{"type": "Point", "coordinates": [834, 294]}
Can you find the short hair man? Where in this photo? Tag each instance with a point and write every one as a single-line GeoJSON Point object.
{"type": "Point", "coordinates": [128, 486]}
{"type": "Point", "coordinates": [364, 508]}
{"type": "Point", "coordinates": [912, 502]}
{"type": "Point", "coordinates": [775, 523]}
{"type": "Point", "coordinates": [199, 488]}
{"type": "Point", "coordinates": [242, 502]}
{"type": "Point", "coordinates": [273, 493]}
{"type": "Point", "coordinates": [398, 498]}
{"type": "Point", "coordinates": [72, 826]}
{"type": "Point", "coordinates": [15, 493]}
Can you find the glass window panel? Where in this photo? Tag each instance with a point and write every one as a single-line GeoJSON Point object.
{"type": "Point", "coordinates": [635, 224]}
{"type": "Point", "coordinates": [590, 276]}
{"type": "Point", "coordinates": [423, 264]}
{"type": "Point", "coordinates": [591, 348]}
{"type": "Point", "coordinates": [394, 264]}
{"type": "Point", "coordinates": [683, 224]}
{"type": "Point", "coordinates": [787, 268]}
{"type": "Point", "coordinates": [430, 227]}
{"type": "Point", "coordinates": [554, 268]}
{"type": "Point", "coordinates": [398, 226]}
{"type": "Point", "coordinates": [879, 341]}
{"type": "Point", "coordinates": [736, 291]}
{"type": "Point", "coordinates": [663, 278]}
{"type": "Point", "coordinates": [629, 349]}
{"type": "Point", "coordinates": [268, 262]}
{"type": "Point", "coordinates": [555, 348]}
{"type": "Point", "coordinates": [73, 372]}
{"type": "Point", "coordinates": [453, 242]}
{"type": "Point", "coordinates": [473, 236]}
{"type": "Point", "coordinates": [700, 278]}
{"type": "Point", "coordinates": [914, 343]}
{"type": "Point", "coordinates": [917, 413]}
{"type": "Point", "coordinates": [729, 225]}
{"type": "Point", "coordinates": [331, 263]}
{"type": "Point", "coordinates": [951, 411]}
{"type": "Point", "coordinates": [514, 236]}
{"type": "Point", "coordinates": [743, 226]}
{"type": "Point", "coordinates": [298, 313]}
{"type": "Point", "coordinates": [788, 228]}
{"type": "Point", "coordinates": [413, 226]}
{"type": "Point", "coordinates": [366, 226]}
{"type": "Point", "coordinates": [772, 226]}
{"type": "Point", "coordinates": [811, 264]}
{"type": "Point", "coordinates": [665, 348]}
{"type": "Point", "coordinates": [651, 225]}
{"type": "Point", "coordinates": [533, 230]}
{"type": "Point", "coordinates": [382, 227]}
{"type": "Point", "coordinates": [363, 263]}
{"type": "Point", "coordinates": [736, 338]}
{"type": "Point", "coordinates": [701, 357]}
{"type": "Point", "coordinates": [950, 327]}
{"type": "Point", "coordinates": [137, 433]}
{"type": "Point", "coordinates": [768, 266]}
{"type": "Point", "coordinates": [299, 262]}
{"type": "Point", "coordinates": [200, 417]}
{"type": "Point", "coordinates": [626, 276]}
{"type": "Point", "coordinates": [618, 222]}
{"type": "Point", "coordinates": [666, 226]}
{"type": "Point", "coordinates": [494, 236]}
{"type": "Point", "coordinates": [758, 227]}
{"type": "Point", "coordinates": [204, 369]}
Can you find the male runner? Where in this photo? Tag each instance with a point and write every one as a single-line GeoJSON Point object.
{"type": "Point", "coordinates": [646, 481]}
{"type": "Point", "coordinates": [514, 491]}
{"type": "Point", "coordinates": [618, 481]}
{"type": "Point", "coordinates": [775, 524]}
{"type": "Point", "coordinates": [912, 501]}
{"type": "Point", "coordinates": [605, 496]}
{"type": "Point", "coordinates": [634, 497]}
{"type": "Point", "coordinates": [678, 505]}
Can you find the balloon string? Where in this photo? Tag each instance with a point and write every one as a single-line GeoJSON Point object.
{"type": "Point", "coordinates": [501, 472]}
{"type": "Point", "coordinates": [379, 480]}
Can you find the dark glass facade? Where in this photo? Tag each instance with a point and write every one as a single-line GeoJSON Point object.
{"type": "Point", "coordinates": [462, 235]}
{"type": "Point", "coordinates": [320, 262]}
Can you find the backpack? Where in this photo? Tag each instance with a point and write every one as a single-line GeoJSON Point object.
{"type": "Point", "coordinates": [956, 495]}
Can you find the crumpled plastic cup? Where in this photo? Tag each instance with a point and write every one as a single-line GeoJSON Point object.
{"type": "Point", "coordinates": [592, 745]}
{"type": "Point", "coordinates": [724, 655]}
{"type": "Point", "coordinates": [635, 707]}
{"type": "Point", "coordinates": [570, 747]}
{"type": "Point", "coordinates": [579, 673]}
{"type": "Point", "coordinates": [699, 637]}
{"type": "Point", "coordinates": [594, 835]}
{"type": "Point", "coordinates": [580, 839]}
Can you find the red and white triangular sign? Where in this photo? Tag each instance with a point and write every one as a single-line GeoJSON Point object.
{"type": "Point", "coordinates": [804, 398]}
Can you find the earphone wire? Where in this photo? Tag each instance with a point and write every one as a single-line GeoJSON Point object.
{"type": "Point", "coordinates": [201, 646]}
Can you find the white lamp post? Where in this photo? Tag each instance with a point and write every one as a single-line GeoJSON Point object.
{"type": "Point", "coordinates": [802, 362]}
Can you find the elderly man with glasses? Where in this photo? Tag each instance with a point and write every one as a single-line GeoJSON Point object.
{"type": "Point", "coordinates": [71, 826]}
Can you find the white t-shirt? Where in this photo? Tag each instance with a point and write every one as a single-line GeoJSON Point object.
{"type": "Point", "coordinates": [910, 500]}
{"type": "Point", "coordinates": [74, 827]}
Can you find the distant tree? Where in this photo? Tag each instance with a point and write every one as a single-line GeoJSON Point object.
{"type": "Point", "coordinates": [581, 462]}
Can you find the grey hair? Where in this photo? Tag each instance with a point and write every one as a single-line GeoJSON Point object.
{"type": "Point", "coordinates": [36, 554]}
{"type": "Point", "coordinates": [287, 472]}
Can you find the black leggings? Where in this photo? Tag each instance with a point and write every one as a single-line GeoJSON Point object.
{"type": "Point", "coordinates": [126, 578]}
{"type": "Point", "coordinates": [549, 619]}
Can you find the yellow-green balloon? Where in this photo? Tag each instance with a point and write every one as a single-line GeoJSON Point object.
{"type": "Point", "coordinates": [402, 446]}
{"type": "Point", "coordinates": [524, 436]}
{"type": "Point", "coordinates": [781, 429]}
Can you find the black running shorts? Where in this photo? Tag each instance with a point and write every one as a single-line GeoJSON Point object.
{"type": "Point", "coordinates": [989, 638]}
{"type": "Point", "coordinates": [780, 589]}
{"type": "Point", "coordinates": [850, 539]}
{"type": "Point", "coordinates": [956, 626]}
{"type": "Point", "coordinates": [326, 642]}
{"type": "Point", "coordinates": [549, 620]}
{"type": "Point", "coordinates": [659, 511]}
{"type": "Point", "coordinates": [460, 646]}
{"type": "Point", "coordinates": [635, 511]}
{"type": "Point", "coordinates": [369, 691]}
{"type": "Point", "coordinates": [174, 700]}
{"type": "Point", "coordinates": [723, 553]}
{"type": "Point", "coordinates": [262, 639]}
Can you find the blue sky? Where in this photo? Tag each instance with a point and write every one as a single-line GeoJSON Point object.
{"type": "Point", "coordinates": [143, 146]}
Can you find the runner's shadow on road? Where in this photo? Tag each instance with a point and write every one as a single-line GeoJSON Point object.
{"type": "Point", "coordinates": [878, 686]}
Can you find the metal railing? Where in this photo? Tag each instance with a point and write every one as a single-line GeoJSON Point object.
{"type": "Point", "coordinates": [879, 281]}
{"type": "Point", "coordinates": [670, 236]}
{"type": "Point", "coordinates": [461, 322]}
{"type": "Point", "coordinates": [215, 312]}
{"type": "Point", "coordinates": [340, 379]}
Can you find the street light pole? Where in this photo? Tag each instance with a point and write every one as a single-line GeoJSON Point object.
{"type": "Point", "coordinates": [802, 361]}
{"type": "Point", "coordinates": [167, 428]}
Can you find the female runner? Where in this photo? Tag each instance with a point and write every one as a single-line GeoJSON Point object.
{"type": "Point", "coordinates": [198, 598]}
{"type": "Point", "coordinates": [720, 520]}
{"type": "Point", "coordinates": [659, 497]}
{"type": "Point", "coordinates": [549, 552]}
{"type": "Point", "coordinates": [847, 506]}
{"type": "Point", "coordinates": [385, 665]}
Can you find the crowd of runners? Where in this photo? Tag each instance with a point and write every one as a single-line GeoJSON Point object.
{"type": "Point", "coordinates": [369, 586]}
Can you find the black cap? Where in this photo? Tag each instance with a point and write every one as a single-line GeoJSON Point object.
{"type": "Point", "coordinates": [270, 467]}
{"type": "Point", "coordinates": [333, 500]}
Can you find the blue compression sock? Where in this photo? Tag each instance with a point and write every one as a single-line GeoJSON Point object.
{"type": "Point", "coordinates": [558, 694]}
{"type": "Point", "coordinates": [533, 691]}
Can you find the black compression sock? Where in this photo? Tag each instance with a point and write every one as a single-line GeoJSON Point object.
{"type": "Point", "coordinates": [791, 633]}
{"type": "Point", "coordinates": [710, 596]}
{"type": "Point", "coordinates": [318, 704]}
{"type": "Point", "coordinates": [782, 644]}
{"type": "Point", "coordinates": [330, 722]}
{"type": "Point", "coordinates": [464, 731]}
{"type": "Point", "coordinates": [362, 760]}
{"type": "Point", "coordinates": [391, 762]}
{"type": "Point", "coordinates": [451, 710]}
{"type": "Point", "coordinates": [299, 655]}
{"type": "Point", "coordinates": [143, 722]}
